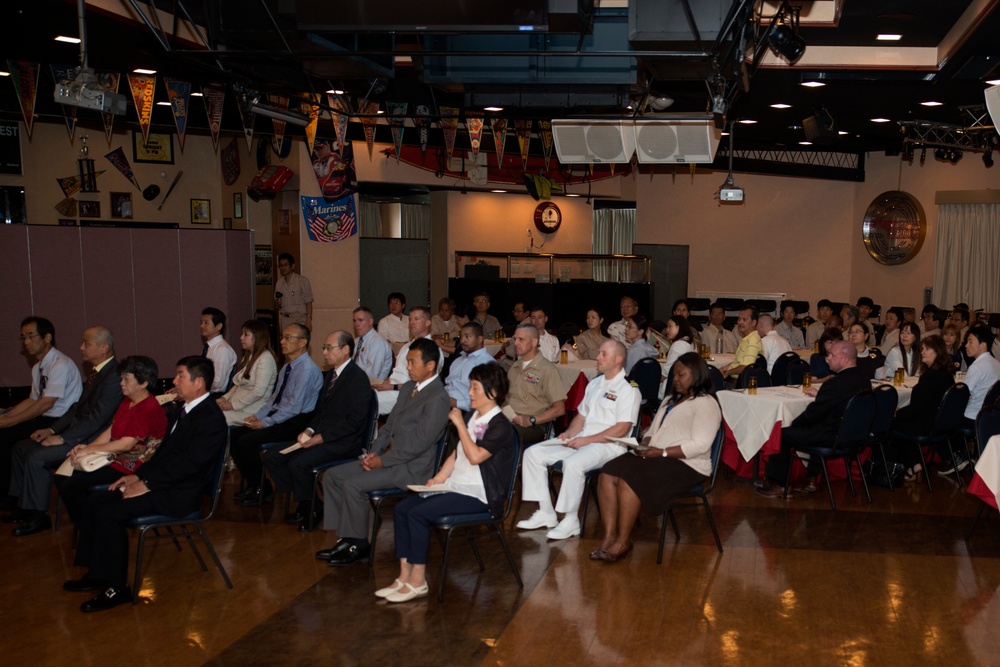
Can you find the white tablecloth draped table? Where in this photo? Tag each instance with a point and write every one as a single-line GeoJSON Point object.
{"type": "Point", "coordinates": [985, 482]}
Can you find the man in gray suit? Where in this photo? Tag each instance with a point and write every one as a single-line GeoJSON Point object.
{"type": "Point", "coordinates": [34, 458]}
{"type": "Point", "coordinates": [402, 454]}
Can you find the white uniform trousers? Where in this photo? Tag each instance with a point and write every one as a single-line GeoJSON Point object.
{"type": "Point", "coordinates": [576, 464]}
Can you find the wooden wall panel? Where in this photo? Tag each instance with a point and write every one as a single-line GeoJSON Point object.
{"type": "Point", "coordinates": [57, 283]}
{"type": "Point", "coordinates": [159, 323]}
{"type": "Point", "coordinates": [16, 300]}
{"type": "Point", "coordinates": [107, 282]}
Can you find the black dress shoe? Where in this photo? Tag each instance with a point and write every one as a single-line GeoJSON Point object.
{"type": "Point", "coordinates": [109, 599]}
{"type": "Point", "coordinates": [84, 584]}
{"type": "Point", "coordinates": [327, 554]}
{"type": "Point", "coordinates": [255, 498]}
{"type": "Point", "coordinates": [19, 516]}
{"type": "Point", "coordinates": [36, 524]}
{"type": "Point", "coordinates": [309, 523]}
{"type": "Point", "coordinates": [350, 556]}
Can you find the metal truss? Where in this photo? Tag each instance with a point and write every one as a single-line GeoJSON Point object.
{"type": "Point", "coordinates": [978, 136]}
{"type": "Point", "coordinates": [812, 158]}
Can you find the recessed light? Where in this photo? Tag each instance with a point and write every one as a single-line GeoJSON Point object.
{"type": "Point", "coordinates": [794, 127]}
{"type": "Point", "coordinates": [335, 92]}
{"type": "Point", "coordinates": [498, 191]}
{"type": "Point", "coordinates": [68, 40]}
{"type": "Point", "coordinates": [813, 84]}
{"type": "Point", "coordinates": [403, 60]}
{"type": "Point", "coordinates": [805, 143]}
{"type": "Point", "coordinates": [889, 37]}
{"type": "Point", "coordinates": [994, 82]}
{"type": "Point", "coordinates": [144, 71]}
{"type": "Point", "coordinates": [931, 103]}
{"type": "Point", "coordinates": [196, 94]}
{"type": "Point", "coordinates": [492, 108]}
{"type": "Point", "coordinates": [572, 194]}
{"type": "Point", "coordinates": [163, 104]}
{"type": "Point", "coordinates": [841, 132]}
{"type": "Point", "coordinates": [781, 105]}
{"type": "Point", "coordinates": [748, 121]}
{"type": "Point", "coordinates": [4, 73]}
{"type": "Point", "coordinates": [380, 111]}
{"type": "Point", "coordinates": [880, 120]}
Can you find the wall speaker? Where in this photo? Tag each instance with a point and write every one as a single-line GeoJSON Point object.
{"type": "Point", "coordinates": [682, 140]}
{"type": "Point", "coordinates": [593, 141]}
{"type": "Point", "coordinates": [677, 141]}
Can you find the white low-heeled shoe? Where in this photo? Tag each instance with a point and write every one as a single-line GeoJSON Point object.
{"type": "Point", "coordinates": [389, 590]}
{"type": "Point", "coordinates": [407, 593]}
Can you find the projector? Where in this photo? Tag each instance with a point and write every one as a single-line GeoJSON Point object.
{"type": "Point", "coordinates": [731, 194]}
{"type": "Point", "coordinates": [85, 92]}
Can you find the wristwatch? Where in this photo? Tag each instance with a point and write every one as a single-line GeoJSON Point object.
{"type": "Point", "coordinates": [531, 420]}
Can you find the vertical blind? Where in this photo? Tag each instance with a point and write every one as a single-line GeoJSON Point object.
{"type": "Point", "coordinates": [614, 234]}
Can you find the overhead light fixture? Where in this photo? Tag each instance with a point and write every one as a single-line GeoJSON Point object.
{"type": "Point", "coordinates": [813, 84]}
{"type": "Point", "coordinates": [994, 82]}
{"type": "Point", "coordinates": [196, 94]}
{"type": "Point", "coordinates": [923, 155]}
{"type": "Point", "coordinates": [661, 102]}
{"type": "Point", "coordinates": [805, 143]}
{"type": "Point", "coordinates": [143, 71]}
{"type": "Point", "coordinates": [572, 194]}
{"type": "Point", "coordinates": [68, 40]}
{"type": "Point", "coordinates": [84, 91]}
{"type": "Point", "coordinates": [380, 111]}
{"type": "Point", "coordinates": [335, 91]}
{"type": "Point", "coordinates": [781, 105]}
{"type": "Point", "coordinates": [889, 37]}
{"type": "Point", "coordinates": [498, 191]}
{"type": "Point", "coordinates": [492, 108]}
{"type": "Point", "coordinates": [402, 60]}
{"type": "Point", "coordinates": [931, 103]}
{"type": "Point", "coordinates": [908, 150]}
{"type": "Point", "coordinates": [278, 114]}
{"type": "Point", "coordinates": [163, 104]}
{"type": "Point", "coordinates": [784, 39]}
{"type": "Point", "coordinates": [879, 120]}
{"type": "Point", "coordinates": [842, 132]}
{"type": "Point", "coordinates": [4, 73]}
{"type": "Point", "coordinates": [748, 121]}
{"type": "Point", "coordinates": [952, 155]}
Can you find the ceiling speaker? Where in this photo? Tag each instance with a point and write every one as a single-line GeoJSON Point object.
{"type": "Point", "coordinates": [993, 104]}
{"type": "Point", "coordinates": [593, 141]}
{"type": "Point", "coordinates": [674, 141]}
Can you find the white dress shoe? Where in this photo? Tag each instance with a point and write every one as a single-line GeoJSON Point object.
{"type": "Point", "coordinates": [537, 520]}
{"type": "Point", "coordinates": [568, 527]}
{"type": "Point", "coordinates": [388, 590]}
{"type": "Point", "coordinates": [407, 593]}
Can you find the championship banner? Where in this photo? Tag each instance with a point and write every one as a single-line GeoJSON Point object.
{"type": "Point", "coordinates": [118, 159]}
{"type": "Point", "coordinates": [65, 74]}
{"type": "Point", "coordinates": [499, 128]}
{"type": "Point", "coordinates": [523, 131]}
{"type": "Point", "coordinates": [25, 78]}
{"type": "Point", "coordinates": [397, 113]}
{"type": "Point", "coordinates": [214, 97]}
{"type": "Point", "coordinates": [279, 102]}
{"type": "Point", "coordinates": [70, 185]}
{"type": "Point", "coordinates": [143, 86]}
{"type": "Point", "coordinates": [243, 106]}
{"type": "Point", "coordinates": [545, 129]}
{"type": "Point", "coordinates": [329, 222]}
{"type": "Point", "coordinates": [474, 124]}
{"type": "Point", "coordinates": [449, 125]}
{"type": "Point", "coordinates": [179, 94]}
{"type": "Point", "coordinates": [368, 119]}
{"type": "Point", "coordinates": [423, 123]}
{"type": "Point", "coordinates": [340, 119]}
{"type": "Point", "coordinates": [231, 162]}
{"type": "Point", "coordinates": [334, 169]}
{"type": "Point", "coordinates": [311, 109]}
{"type": "Point", "coordinates": [110, 82]}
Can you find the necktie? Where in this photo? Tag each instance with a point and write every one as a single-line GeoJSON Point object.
{"type": "Point", "coordinates": [41, 385]}
{"type": "Point", "coordinates": [90, 378]}
{"type": "Point", "coordinates": [333, 379]}
{"type": "Point", "coordinates": [181, 414]}
{"type": "Point", "coordinates": [359, 348]}
{"type": "Point", "coordinates": [204, 351]}
{"type": "Point", "coordinates": [281, 389]}
{"type": "Point", "coordinates": [414, 392]}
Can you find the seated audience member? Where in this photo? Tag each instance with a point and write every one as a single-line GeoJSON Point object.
{"type": "Point", "coordinates": [253, 380]}
{"type": "Point", "coordinates": [473, 354]}
{"type": "Point", "coordinates": [715, 330]}
{"type": "Point", "coordinates": [216, 349]}
{"type": "Point", "coordinates": [681, 309]}
{"type": "Point", "coordinates": [905, 355]}
{"type": "Point", "coordinates": [490, 324]}
{"type": "Point", "coordinates": [910, 315]}
{"type": "Point", "coordinates": [371, 352]}
{"type": "Point", "coordinates": [282, 417]}
{"type": "Point", "coordinates": [836, 322]}
{"type": "Point", "coordinates": [819, 423]}
{"type": "Point", "coordinates": [628, 308]}
{"type": "Point", "coordinates": [917, 417]}
{"type": "Point", "coordinates": [749, 347]}
{"type": "Point", "coordinates": [609, 409]}
{"type": "Point", "coordinates": [850, 315]}
{"type": "Point", "coordinates": [477, 474]}
{"type": "Point", "coordinates": [678, 332]}
{"type": "Point", "coordinates": [869, 359]}
{"type": "Point", "coordinates": [931, 320]}
{"type": "Point", "coordinates": [293, 297]}
{"type": "Point", "coordinates": [520, 312]}
{"type": "Point", "coordinates": [403, 454]}
{"type": "Point", "coordinates": [136, 431]}
{"type": "Point", "coordinates": [786, 327]}
{"type": "Point", "coordinates": [394, 326]}
{"type": "Point", "coordinates": [952, 335]}
{"type": "Point", "coordinates": [890, 337]}
{"type": "Point", "coordinates": [548, 345]}
{"type": "Point", "coordinates": [36, 457]}
{"type": "Point", "coordinates": [588, 343]}
{"type": "Point", "coordinates": [638, 346]}
{"type": "Point", "coordinates": [678, 457]}
{"type": "Point", "coordinates": [388, 390]}
{"type": "Point", "coordinates": [537, 394]}
{"type": "Point", "coordinates": [444, 322]}
{"type": "Point", "coordinates": [865, 305]}
{"type": "Point", "coordinates": [819, 366]}
{"type": "Point", "coordinates": [824, 309]}
{"type": "Point", "coordinates": [336, 430]}
{"type": "Point", "coordinates": [462, 317]}
{"type": "Point", "coordinates": [55, 387]}
{"type": "Point", "coordinates": [772, 344]}
{"type": "Point", "coordinates": [983, 372]}
{"type": "Point", "coordinates": [505, 355]}
{"type": "Point", "coordinates": [171, 483]}
{"type": "Point", "coordinates": [962, 319]}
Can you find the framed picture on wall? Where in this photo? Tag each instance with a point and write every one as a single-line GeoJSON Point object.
{"type": "Point", "coordinates": [201, 212]}
{"type": "Point", "coordinates": [227, 223]}
{"type": "Point", "coordinates": [90, 209]}
{"type": "Point", "coordinates": [237, 204]}
{"type": "Point", "coordinates": [264, 262]}
{"type": "Point", "coordinates": [158, 149]}
{"type": "Point", "coordinates": [121, 204]}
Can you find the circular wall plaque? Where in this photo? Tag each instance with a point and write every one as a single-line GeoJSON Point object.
{"type": "Point", "coordinates": [894, 227]}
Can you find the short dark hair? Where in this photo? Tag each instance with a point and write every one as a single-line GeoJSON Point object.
{"type": "Point", "coordinates": [218, 317]}
{"type": "Point", "coordinates": [362, 309]}
{"type": "Point", "coordinates": [754, 313]}
{"type": "Point", "coordinates": [679, 302]}
{"type": "Point", "coordinates": [468, 312]}
{"type": "Point", "coordinates": [964, 314]}
{"type": "Point", "coordinates": [143, 369]}
{"type": "Point", "coordinates": [538, 307]}
{"type": "Point", "coordinates": [929, 308]}
{"type": "Point", "coordinates": [716, 306]}
{"type": "Point", "coordinates": [43, 326]}
{"type": "Point", "coordinates": [898, 312]}
{"type": "Point", "coordinates": [683, 328]}
{"type": "Point", "coordinates": [494, 380]}
{"type": "Point", "coordinates": [287, 256]}
{"type": "Point", "coordinates": [477, 328]}
{"type": "Point", "coordinates": [701, 377]}
{"type": "Point", "coordinates": [640, 322]}
{"type": "Point", "coordinates": [830, 334]}
{"type": "Point", "coordinates": [303, 331]}
{"type": "Point", "coordinates": [447, 301]}
{"type": "Point", "coordinates": [396, 295]}
{"type": "Point", "coordinates": [937, 316]}
{"type": "Point", "coordinates": [865, 301]}
{"type": "Point", "coordinates": [344, 338]}
{"type": "Point", "coordinates": [824, 303]}
{"type": "Point", "coordinates": [852, 311]}
{"type": "Point", "coordinates": [428, 350]}
{"type": "Point", "coordinates": [199, 367]}
{"type": "Point", "coordinates": [983, 334]}
{"type": "Point", "coordinates": [485, 294]}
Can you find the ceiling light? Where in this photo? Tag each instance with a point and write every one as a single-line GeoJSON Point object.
{"type": "Point", "coordinates": [380, 111]}
{"type": "Point", "coordinates": [403, 60]}
{"type": "Point", "coordinates": [144, 71]}
{"type": "Point", "coordinates": [931, 103]}
{"type": "Point", "coordinates": [805, 143]}
{"type": "Point", "coordinates": [748, 121]}
{"type": "Point", "coordinates": [813, 84]}
{"type": "Point", "coordinates": [196, 94]}
{"type": "Point", "coordinates": [842, 132]}
{"type": "Point", "coordinates": [629, 107]}
{"type": "Point", "coordinates": [163, 104]}
{"type": "Point", "coordinates": [4, 73]}
{"type": "Point", "coordinates": [786, 43]}
{"type": "Point", "coordinates": [880, 120]}
{"type": "Point", "coordinates": [68, 40]}
{"type": "Point", "coordinates": [335, 92]}
{"type": "Point", "coordinates": [661, 102]}
{"type": "Point", "coordinates": [994, 82]}
{"type": "Point", "coordinates": [492, 108]}
{"type": "Point", "coordinates": [498, 191]}
{"type": "Point", "coordinates": [889, 37]}
{"type": "Point", "coordinates": [781, 105]}
{"type": "Point", "coordinates": [725, 134]}
{"type": "Point", "coordinates": [572, 194]}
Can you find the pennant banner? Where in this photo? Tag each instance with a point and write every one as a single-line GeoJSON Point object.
{"type": "Point", "coordinates": [70, 185]}
{"type": "Point", "coordinates": [523, 130]}
{"type": "Point", "coordinates": [334, 170]}
{"type": "Point", "coordinates": [545, 127]}
{"type": "Point", "coordinates": [397, 115]}
{"type": "Point", "coordinates": [368, 119]}
{"type": "Point", "coordinates": [423, 123]}
{"type": "Point", "coordinates": [311, 110]}
{"type": "Point", "coordinates": [499, 128]}
{"type": "Point", "coordinates": [214, 97]}
{"type": "Point", "coordinates": [25, 78]}
{"type": "Point", "coordinates": [449, 125]}
{"type": "Point", "coordinates": [231, 162]}
{"type": "Point", "coordinates": [143, 86]}
{"type": "Point", "coordinates": [329, 222]}
{"type": "Point", "coordinates": [243, 105]}
{"type": "Point", "coordinates": [474, 125]}
{"type": "Point", "coordinates": [279, 102]}
{"type": "Point", "coordinates": [109, 81]}
{"type": "Point", "coordinates": [179, 94]}
{"type": "Point", "coordinates": [340, 119]}
{"type": "Point", "coordinates": [118, 159]}
{"type": "Point", "coordinates": [67, 207]}
{"type": "Point", "coordinates": [64, 74]}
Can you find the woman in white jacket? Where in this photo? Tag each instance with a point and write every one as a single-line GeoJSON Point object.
{"type": "Point", "coordinates": [253, 379]}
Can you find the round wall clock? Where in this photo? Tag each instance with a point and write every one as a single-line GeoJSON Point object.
{"type": "Point", "coordinates": [548, 217]}
{"type": "Point", "coordinates": [894, 227]}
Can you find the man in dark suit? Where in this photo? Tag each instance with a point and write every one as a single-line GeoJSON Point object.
{"type": "Point", "coordinates": [819, 423]}
{"type": "Point", "coordinates": [35, 457]}
{"type": "Point", "coordinates": [402, 454]}
{"type": "Point", "coordinates": [172, 483]}
{"type": "Point", "coordinates": [336, 431]}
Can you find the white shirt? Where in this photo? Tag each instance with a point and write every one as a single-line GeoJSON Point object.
{"type": "Point", "coordinates": [222, 356]}
{"type": "Point", "coordinates": [548, 346]}
{"type": "Point", "coordinates": [189, 406]}
{"type": "Point", "coordinates": [792, 334]}
{"type": "Point", "coordinates": [983, 374]}
{"type": "Point", "coordinates": [62, 382]}
{"type": "Point", "coordinates": [608, 402]}
{"type": "Point", "coordinates": [394, 329]}
{"type": "Point", "coordinates": [894, 360]}
{"type": "Point", "coordinates": [710, 336]}
{"type": "Point", "coordinates": [399, 374]}
{"type": "Point", "coordinates": [890, 339]}
{"type": "Point", "coordinates": [774, 347]}
{"type": "Point", "coordinates": [467, 478]}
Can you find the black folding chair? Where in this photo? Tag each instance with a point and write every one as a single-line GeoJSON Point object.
{"type": "Point", "coordinates": [779, 374]}
{"type": "Point", "coordinates": [796, 371]}
{"type": "Point", "coordinates": [886, 400]}
{"type": "Point", "coordinates": [763, 379]}
{"type": "Point", "coordinates": [946, 425]}
{"type": "Point", "coordinates": [646, 373]}
{"type": "Point", "coordinates": [718, 381]}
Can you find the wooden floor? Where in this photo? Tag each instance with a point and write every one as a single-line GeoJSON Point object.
{"type": "Point", "coordinates": [893, 583]}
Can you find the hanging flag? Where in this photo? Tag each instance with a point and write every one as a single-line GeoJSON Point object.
{"type": "Point", "coordinates": [25, 78]}
{"type": "Point", "coordinates": [397, 116]}
{"type": "Point", "coordinates": [368, 119]}
{"type": "Point", "coordinates": [499, 128]}
{"type": "Point", "coordinates": [143, 86]}
{"type": "Point", "coordinates": [311, 109]}
{"type": "Point", "coordinates": [546, 132]}
{"type": "Point", "coordinates": [340, 119]}
{"type": "Point", "coordinates": [449, 125]}
{"type": "Point", "coordinates": [243, 95]}
{"type": "Point", "coordinates": [423, 123]}
{"type": "Point", "coordinates": [523, 131]}
{"type": "Point", "coordinates": [329, 222]}
{"type": "Point", "coordinates": [334, 170]}
{"type": "Point", "coordinates": [279, 102]}
{"type": "Point", "coordinates": [214, 96]}
{"type": "Point", "coordinates": [474, 124]}
{"type": "Point", "coordinates": [118, 159]}
{"type": "Point", "coordinates": [67, 207]}
{"type": "Point", "coordinates": [64, 74]}
{"type": "Point", "coordinates": [109, 81]}
{"type": "Point", "coordinates": [231, 162]}
{"type": "Point", "coordinates": [179, 94]}
{"type": "Point", "coordinates": [70, 185]}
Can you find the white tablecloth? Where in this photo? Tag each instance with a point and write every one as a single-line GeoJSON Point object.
{"type": "Point", "coordinates": [571, 371]}
{"type": "Point", "coordinates": [988, 470]}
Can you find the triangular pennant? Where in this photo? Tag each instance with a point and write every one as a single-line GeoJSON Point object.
{"type": "Point", "coordinates": [449, 125]}
{"type": "Point", "coordinates": [523, 130]}
{"type": "Point", "coordinates": [70, 185]}
{"type": "Point", "coordinates": [499, 128]}
{"type": "Point", "coordinates": [179, 94]}
{"type": "Point", "coordinates": [423, 122]}
{"type": "Point", "coordinates": [368, 119]}
{"type": "Point", "coordinates": [545, 128]}
{"type": "Point", "coordinates": [340, 119]}
{"type": "Point", "coordinates": [25, 78]}
{"type": "Point", "coordinates": [143, 86]}
{"type": "Point", "coordinates": [243, 96]}
{"type": "Point", "coordinates": [279, 102]}
{"type": "Point", "coordinates": [311, 109]}
{"type": "Point", "coordinates": [474, 124]}
{"type": "Point", "coordinates": [109, 81]}
{"type": "Point", "coordinates": [118, 159]}
{"type": "Point", "coordinates": [65, 74]}
{"type": "Point", "coordinates": [67, 207]}
{"type": "Point", "coordinates": [397, 116]}
{"type": "Point", "coordinates": [214, 96]}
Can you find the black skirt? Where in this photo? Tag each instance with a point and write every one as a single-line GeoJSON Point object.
{"type": "Point", "coordinates": [657, 481]}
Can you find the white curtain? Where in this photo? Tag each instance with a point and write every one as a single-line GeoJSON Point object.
{"type": "Point", "coordinates": [370, 219]}
{"type": "Point", "coordinates": [614, 234]}
{"type": "Point", "coordinates": [416, 221]}
{"type": "Point", "coordinates": [967, 261]}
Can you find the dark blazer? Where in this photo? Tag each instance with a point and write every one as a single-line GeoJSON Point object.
{"type": "Point", "coordinates": [871, 362]}
{"type": "Point", "coordinates": [498, 440]}
{"type": "Point", "coordinates": [918, 416]}
{"type": "Point", "coordinates": [823, 415]}
{"type": "Point", "coordinates": [92, 414]}
{"type": "Point", "coordinates": [412, 430]}
{"type": "Point", "coordinates": [342, 412]}
{"type": "Point", "coordinates": [182, 466]}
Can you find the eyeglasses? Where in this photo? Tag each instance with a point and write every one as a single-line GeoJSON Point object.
{"type": "Point", "coordinates": [327, 348]}
{"type": "Point", "coordinates": [291, 337]}
{"type": "Point", "coordinates": [28, 336]}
